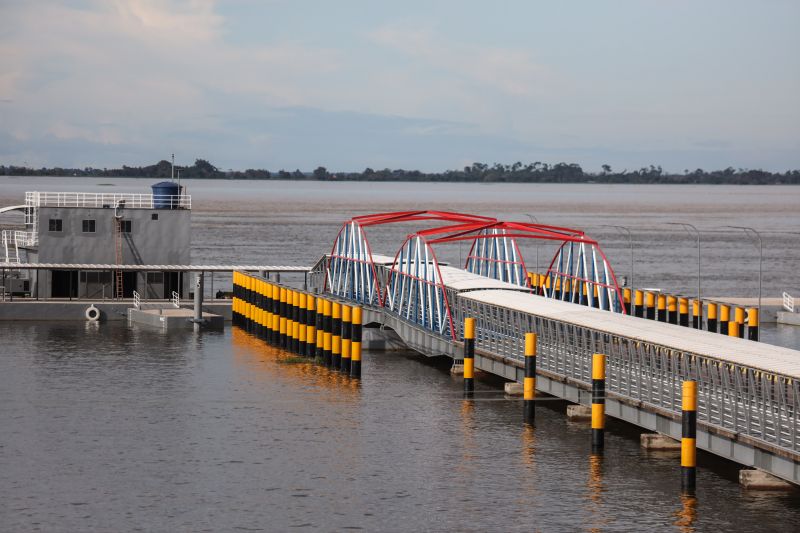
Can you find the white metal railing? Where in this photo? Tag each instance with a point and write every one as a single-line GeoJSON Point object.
{"type": "Point", "coordinates": [788, 302]}
{"type": "Point", "coordinates": [13, 240]}
{"type": "Point", "coordinates": [108, 200]}
{"type": "Point", "coordinates": [137, 301]}
{"type": "Point", "coordinates": [176, 300]}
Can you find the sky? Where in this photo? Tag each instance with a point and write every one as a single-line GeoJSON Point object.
{"type": "Point", "coordinates": [428, 85]}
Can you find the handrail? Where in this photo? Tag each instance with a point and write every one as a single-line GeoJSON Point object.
{"type": "Point", "coordinates": [110, 200]}
{"type": "Point", "coordinates": [176, 300]}
{"type": "Point", "coordinates": [788, 302]}
{"type": "Point", "coordinates": [136, 300]}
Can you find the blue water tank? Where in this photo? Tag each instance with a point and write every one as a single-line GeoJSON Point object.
{"type": "Point", "coordinates": [165, 195]}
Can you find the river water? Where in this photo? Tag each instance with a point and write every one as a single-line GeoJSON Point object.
{"type": "Point", "coordinates": [115, 428]}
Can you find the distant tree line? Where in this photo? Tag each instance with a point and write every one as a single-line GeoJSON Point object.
{"type": "Point", "coordinates": [518, 172]}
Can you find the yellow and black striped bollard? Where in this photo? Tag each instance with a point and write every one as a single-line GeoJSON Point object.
{"type": "Point", "coordinates": [346, 338]}
{"type": "Point", "coordinates": [752, 324]}
{"type": "Point", "coordinates": [697, 314]}
{"type": "Point", "coordinates": [355, 344]}
{"type": "Point", "coordinates": [662, 308]}
{"type": "Point", "coordinates": [651, 306]}
{"type": "Point", "coordinates": [740, 321]}
{"type": "Point", "coordinates": [672, 309]}
{"type": "Point", "coordinates": [336, 335]}
{"type": "Point", "coordinates": [311, 329]}
{"type": "Point", "coordinates": [724, 318]}
{"type": "Point", "coordinates": [302, 325]}
{"type": "Point", "coordinates": [638, 303]}
{"type": "Point", "coordinates": [733, 328]}
{"type": "Point", "coordinates": [326, 339]}
{"type": "Point", "coordinates": [529, 381]}
{"type": "Point", "coordinates": [711, 322]}
{"type": "Point", "coordinates": [683, 312]}
{"type": "Point", "coordinates": [319, 331]}
{"type": "Point", "coordinates": [689, 436]}
{"type": "Point", "coordinates": [626, 298]}
{"type": "Point", "coordinates": [276, 315]}
{"type": "Point", "coordinates": [295, 323]}
{"type": "Point", "coordinates": [598, 401]}
{"type": "Point", "coordinates": [282, 322]}
{"type": "Point", "coordinates": [469, 355]}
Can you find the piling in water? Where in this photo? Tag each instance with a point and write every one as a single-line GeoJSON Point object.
{"type": "Point", "coordinates": [672, 309]}
{"type": "Point", "coordinates": [319, 332]}
{"type": "Point", "coordinates": [739, 316]}
{"type": "Point", "coordinates": [347, 328]}
{"type": "Point", "coordinates": [697, 314]}
{"type": "Point", "coordinates": [311, 321]}
{"type": "Point", "coordinates": [683, 312]}
{"type": "Point", "coordinates": [336, 335]}
{"type": "Point", "coordinates": [355, 345]}
{"type": "Point", "coordinates": [712, 317]}
{"type": "Point", "coordinates": [662, 308]}
{"type": "Point", "coordinates": [469, 355]}
{"type": "Point", "coordinates": [724, 318]}
{"type": "Point", "coordinates": [598, 401]}
{"type": "Point", "coordinates": [326, 339]}
{"type": "Point", "coordinates": [752, 324]}
{"type": "Point", "coordinates": [638, 303]}
{"type": "Point", "coordinates": [689, 436]}
{"type": "Point", "coordinates": [651, 306]}
{"type": "Point", "coordinates": [529, 381]}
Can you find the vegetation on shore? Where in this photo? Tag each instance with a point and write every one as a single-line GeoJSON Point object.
{"type": "Point", "coordinates": [518, 172]}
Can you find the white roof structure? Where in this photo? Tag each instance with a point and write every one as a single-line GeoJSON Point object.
{"type": "Point", "coordinates": [461, 280]}
{"type": "Point", "coordinates": [753, 354]}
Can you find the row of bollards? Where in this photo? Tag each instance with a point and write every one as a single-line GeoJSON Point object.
{"type": "Point", "coordinates": [299, 322]}
{"type": "Point", "coordinates": [721, 318]}
{"type": "Point", "coordinates": [666, 308]}
{"type": "Point", "coordinates": [688, 406]}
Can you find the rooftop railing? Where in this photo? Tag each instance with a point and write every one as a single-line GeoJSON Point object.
{"type": "Point", "coordinates": [108, 200]}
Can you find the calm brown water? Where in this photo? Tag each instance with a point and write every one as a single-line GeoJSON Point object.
{"type": "Point", "coordinates": [115, 428]}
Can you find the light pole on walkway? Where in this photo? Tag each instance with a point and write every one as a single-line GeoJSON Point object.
{"type": "Point", "coordinates": [630, 242]}
{"type": "Point", "coordinates": [760, 257]}
{"type": "Point", "coordinates": [686, 226]}
{"type": "Point", "coordinates": [534, 219]}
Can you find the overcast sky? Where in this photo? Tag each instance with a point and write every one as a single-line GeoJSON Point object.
{"type": "Point", "coordinates": [413, 84]}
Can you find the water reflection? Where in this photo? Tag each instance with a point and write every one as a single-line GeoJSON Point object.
{"type": "Point", "coordinates": [596, 487]}
{"type": "Point", "coordinates": [686, 515]}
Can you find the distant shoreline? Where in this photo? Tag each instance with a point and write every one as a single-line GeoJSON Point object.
{"type": "Point", "coordinates": [476, 173]}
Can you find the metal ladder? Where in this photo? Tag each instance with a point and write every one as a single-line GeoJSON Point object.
{"type": "Point", "coordinates": [118, 289]}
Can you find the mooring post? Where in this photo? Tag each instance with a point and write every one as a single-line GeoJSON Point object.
{"type": "Point", "coordinates": [346, 338]}
{"type": "Point", "coordinates": [319, 332]}
{"type": "Point", "coordinates": [282, 320]}
{"type": "Point", "coordinates": [311, 320]}
{"type": "Point", "coordinates": [740, 321]}
{"type": "Point", "coordinates": [733, 329]}
{"type": "Point", "coordinates": [724, 318]}
{"type": "Point", "coordinates": [355, 345]}
{"type": "Point", "coordinates": [651, 306]}
{"type": "Point", "coordinates": [469, 356]}
{"type": "Point", "coordinates": [598, 401]}
{"type": "Point", "coordinates": [689, 436]}
{"type": "Point", "coordinates": [529, 381]}
{"type": "Point", "coordinates": [638, 301]}
{"type": "Point", "coordinates": [336, 335]}
{"type": "Point", "coordinates": [683, 311]}
{"type": "Point", "coordinates": [295, 324]}
{"type": "Point", "coordinates": [326, 340]}
{"type": "Point", "coordinates": [662, 308]}
{"type": "Point", "coordinates": [672, 309]}
{"type": "Point", "coordinates": [711, 323]}
{"type": "Point", "coordinates": [697, 314]}
{"type": "Point", "coordinates": [302, 324]}
{"type": "Point", "coordinates": [626, 298]}
{"type": "Point", "coordinates": [752, 324]}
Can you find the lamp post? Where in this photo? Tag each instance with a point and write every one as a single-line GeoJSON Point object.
{"type": "Point", "coordinates": [686, 226]}
{"type": "Point", "coordinates": [534, 219]}
{"type": "Point", "coordinates": [760, 257]}
{"type": "Point", "coordinates": [630, 242]}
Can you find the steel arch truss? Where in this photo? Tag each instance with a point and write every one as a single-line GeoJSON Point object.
{"type": "Point", "coordinates": [495, 255]}
{"type": "Point", "coordinates": [415, 290]}
{"type": "Point", "coordinates": [580, 273]}
{"type": "Point", "coordinates": [351, 272]}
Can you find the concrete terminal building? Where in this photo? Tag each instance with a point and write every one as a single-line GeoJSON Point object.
{"type": "Point", "coordinates": [103, 228]}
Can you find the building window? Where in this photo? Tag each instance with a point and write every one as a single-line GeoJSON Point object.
{"type": "Point", "coordinates": [56, 224]}
{"type": "Point", "coordinates": [125, 226]}
{"type": "Point", "coordinates": [88, 226]}
{"type": "Point", "coordinates": [154, 216]}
